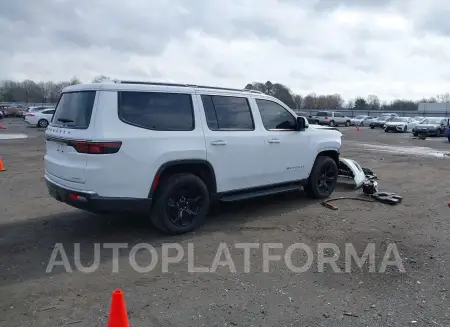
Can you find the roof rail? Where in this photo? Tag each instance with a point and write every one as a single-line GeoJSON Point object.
{"type": "Point", "coordinates": [156, 83]}
{"type": "Point", "coordinates": [188, 85]}
{"type": "Point", "coordinates": [253, 91]}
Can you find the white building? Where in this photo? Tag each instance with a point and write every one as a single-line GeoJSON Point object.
{"type": "Point", "coordinates": [438, 108]}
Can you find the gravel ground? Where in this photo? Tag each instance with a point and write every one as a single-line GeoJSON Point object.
{"type": "Point", "coordinates": [31, 223]}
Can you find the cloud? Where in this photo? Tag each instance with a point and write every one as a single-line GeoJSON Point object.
{"type": "Point", "coordinates": [393, 48]}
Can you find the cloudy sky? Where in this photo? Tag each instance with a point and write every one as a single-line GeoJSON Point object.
{"type": "Point", "coordinates": [392, 48]}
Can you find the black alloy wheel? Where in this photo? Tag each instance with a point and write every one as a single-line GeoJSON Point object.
{"type": "Point", "coordinates": [323, 178]}
{"type": "Point", "coordinates": [183, 204]}
{"type": "Point", "coordinates": [327, 178]}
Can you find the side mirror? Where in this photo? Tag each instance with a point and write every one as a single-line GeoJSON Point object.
{"type": "Point", "coordinates": [301, 124]}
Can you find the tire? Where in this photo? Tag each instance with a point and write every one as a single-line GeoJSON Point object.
{"type": "Point", "coordinates": [323, 165]}
{"type": "Point", "coordinates": [43, 123]}
{"type": "Point", "coordinates": [173, 199]}
{"type": "Point", "coordinates": [449, 138]}
{"type": "Point", "coordinates": [386, 131]}
{"type": "Point", "coordinates": [347, 123]}
{"type": "Point", "coordinates": [439, 132]}
{"type": "Point", "coordinates": [415, 134]}
{"type": "Point", "coordinates": [362, 124]}
{"type": "Point", "coordinates": [405, 129]}
{"type": "Point", "coordinates": [332, 123]}
{"type": "Point", "coordinates": [316, 122]}
{"type": "Point", "coordinates": [372, 127]}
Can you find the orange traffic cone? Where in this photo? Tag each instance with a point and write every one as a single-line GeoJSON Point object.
{"type": "Point", "coordinates": [2, 166]}
{"type": "Point", "coordinates": [357, 128]}
{"type": "Point", "coordinates": [118, 312]}
{"type": "Point", "coordinates": [2, 127]}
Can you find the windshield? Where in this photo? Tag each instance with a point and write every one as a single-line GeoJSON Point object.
{"type": "Point", "coordinates": [74, 110]}
{"type": "Point", "coordinates": [399, 119]}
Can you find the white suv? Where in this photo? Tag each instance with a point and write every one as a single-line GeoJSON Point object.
{"type": "Point", "coordinates": [169, 150]}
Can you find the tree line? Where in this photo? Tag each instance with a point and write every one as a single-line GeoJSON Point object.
{"type": "Point", "coordinates": [314, 101]}
{"type": "Point", "coordinates": [29, 91]}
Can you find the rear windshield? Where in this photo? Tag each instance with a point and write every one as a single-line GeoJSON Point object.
{"type": "Point", "coordinates": [74, 110]}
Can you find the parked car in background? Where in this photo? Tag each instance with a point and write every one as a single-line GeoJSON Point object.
{"type": "Point", "coordinates": [432, 126]}
{"type": "Point", "coordinates": [380, 121]}
{"type": "Point", "coordinates": [389, 115]}
{"type": "Point", "coordinates": [361, 120]}
{"type": "Point", "coordinates": [2, 112]}
{"type": "Point", "coordinates": [419, 118]}
{"type": "Point", "coordinates": [304, 114]}
{"type": "Point", "coordinates": [400, 124]}
{"type": "Point", "coordinates": [13, 111]}
{"type": "Point", "coordinates": [332, 118]}
{"type": "Point", "coordinates": [40, 118]}
{"type": "Point", "coordinates": [34, 109]}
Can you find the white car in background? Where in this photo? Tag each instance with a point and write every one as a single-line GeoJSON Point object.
{"type": "Point", "coordinates": [40, 118]}
{"type": "Point", "coordinates": [418, 118]}
{"type": "Point", "coordinates": [361, 120]}
{"type": "Point", "coordinates": [400, 124]}
{"type": "Point", "coordinates": [31, 110]}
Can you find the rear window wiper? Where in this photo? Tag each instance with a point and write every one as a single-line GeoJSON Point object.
{"type": "Point", "coordinates": [65, 120]}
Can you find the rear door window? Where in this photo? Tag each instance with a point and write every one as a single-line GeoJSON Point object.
{"type": "Point", "coordinates": [157, 111]}
{"type": "Point", "coordinates": [74, 110]}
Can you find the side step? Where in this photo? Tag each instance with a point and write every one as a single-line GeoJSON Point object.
{"type": "Point", "coordinates": [243, 195]}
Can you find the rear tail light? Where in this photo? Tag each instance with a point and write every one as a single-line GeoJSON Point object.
{"type": "Point", "coordinates": [96, 147]}
{"type": "Point", "coordinates": [76, 197]}
{"type": "Point", "coordinates": [326, 117]}
{"type": "Point", "coordinates": [29, 115]}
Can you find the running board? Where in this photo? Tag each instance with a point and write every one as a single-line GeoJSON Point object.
{"type": "Point", "coordinates": [258, 193]}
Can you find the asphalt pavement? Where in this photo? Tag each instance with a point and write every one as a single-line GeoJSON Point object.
{"type": "Point", "coordinates": [33, 225]}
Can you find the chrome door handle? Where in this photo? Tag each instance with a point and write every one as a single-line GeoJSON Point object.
{"type": "Point", "coordinates": [274, 141]}
{"type": "Point", "coordinates": [219, 142]}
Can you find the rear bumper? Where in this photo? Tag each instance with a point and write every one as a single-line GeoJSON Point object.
{"type": "Point", "coordinates": [95, 203]}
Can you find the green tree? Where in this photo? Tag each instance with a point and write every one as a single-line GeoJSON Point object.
{"type": "Point", "coordinates": [360, 104]}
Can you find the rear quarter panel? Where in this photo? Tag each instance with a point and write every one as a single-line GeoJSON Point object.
{"type": "Point", "coordinates": [130, 172]}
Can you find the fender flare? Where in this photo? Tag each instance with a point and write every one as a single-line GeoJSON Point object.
{"type": "Point", "coordinates": [180, 162]}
